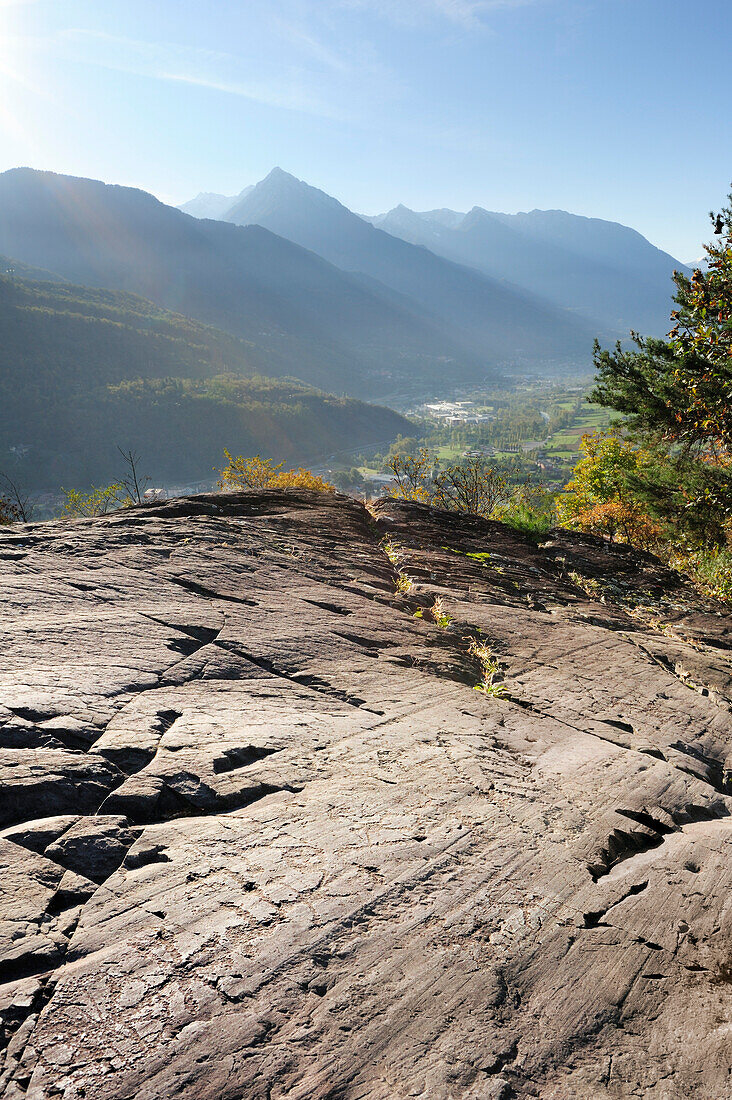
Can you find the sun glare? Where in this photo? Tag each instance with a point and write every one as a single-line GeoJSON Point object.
{"type": "Point", "coordinates": [12, 80]}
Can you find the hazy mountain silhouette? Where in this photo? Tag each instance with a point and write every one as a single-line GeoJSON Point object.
{"type": "Point", "coordinates": [210, 205]}
{"type": "Point", "coordinates": [604, 271]}
{"type": "Point", "coordinates": [496, 320]}
{"type": "Point", "coordinates": [701, 262]}
{"type": "Point", "coordinates": [301, 315]}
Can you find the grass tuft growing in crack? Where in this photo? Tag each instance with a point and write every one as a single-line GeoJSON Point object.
{"type": "Point", "coordinates": [439, 615]}
{"type": "Point", "coordinates": [489, 671]}
{"type": "Point", "coordinates": [482, 557]}
{"type": "Point", "coordinates": [392, 552]}
{"type": "Point", "coordinates": [589, 585]}
{"type": "Point", "coordinates": [404, 583]}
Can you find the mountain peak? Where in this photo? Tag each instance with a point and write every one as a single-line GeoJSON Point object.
{"type": "Point", "coordinates": [280, 173]}
{"type": "Point", "coordinates": [476, 214]}
{"type": "Point", "coordinates": [282, 178]}
{"type": "Point", "coordinates": [279, 195]}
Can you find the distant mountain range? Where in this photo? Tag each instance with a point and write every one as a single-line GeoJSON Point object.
{"type": "Point", "coordinates": [125, 319]}
{"type": "Point", "coordinates": [492, 320]}
{"type": "Point", "coordinates": [604, 271]}
{"type": "Point", "coordinates": [605, 276]}
{"type": "Point", "coordinates": [85, 370]}
{"type": "Point", "coordinates": [324, 295]}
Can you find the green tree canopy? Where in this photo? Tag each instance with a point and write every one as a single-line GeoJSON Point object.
{"type": "Point", "coordinates": [676, 395]}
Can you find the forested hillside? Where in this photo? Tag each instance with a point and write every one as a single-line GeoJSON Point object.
{"type": "Point", "coordinates": [83, 371]}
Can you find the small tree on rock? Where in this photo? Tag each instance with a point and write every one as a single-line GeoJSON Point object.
{"type": "Point", "coordinates": [15, 506]}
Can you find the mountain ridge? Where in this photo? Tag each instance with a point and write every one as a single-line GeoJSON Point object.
{"type": "Point", "coordinates": [604, 270]}
{"type": "Point", "coordinates": [490, 314]}
{"type": "Point", "coordinates": [208, 204]}
{"type": "Point", "coordinates": [303, 316]}
{"type": "Point", "coordinates": [598, 272]}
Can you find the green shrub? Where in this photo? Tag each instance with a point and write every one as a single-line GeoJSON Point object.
{"type": "Point", "coordinates": [534, 522]}
{"type": "Point", "coordinates": [710, 570]}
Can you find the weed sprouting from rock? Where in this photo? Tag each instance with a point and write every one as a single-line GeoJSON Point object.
{"type": "Point", "coordinates": [489, 670]}
{"type": "Point", "coordinates": [439, 614]}
{"type": "Point", "coordinates": [404, 584]}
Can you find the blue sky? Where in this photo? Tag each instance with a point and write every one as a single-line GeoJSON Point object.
{"type": "Point", "coordinates": [612, 108]}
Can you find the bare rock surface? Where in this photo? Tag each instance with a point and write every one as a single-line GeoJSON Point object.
{"type": "Point", "coordinates": [261, 836]}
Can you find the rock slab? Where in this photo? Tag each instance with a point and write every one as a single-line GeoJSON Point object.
{"type": "Point", "coordinates": [298, 800]}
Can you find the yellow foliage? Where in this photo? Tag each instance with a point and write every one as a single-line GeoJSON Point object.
{"type": "Point", "coordinates": [598, 498]}
{"type": "Point", "coordinates": [301, 479]}
{"type": "Point", "coordinates": [412, 476]}
{"type": "Point", "coordinates": [98, 502]}
{"type": "Point", "coordinates": [262, 473]}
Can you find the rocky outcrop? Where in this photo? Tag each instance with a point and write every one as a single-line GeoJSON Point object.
{"type": "Point", "coordinates": [262, 836]}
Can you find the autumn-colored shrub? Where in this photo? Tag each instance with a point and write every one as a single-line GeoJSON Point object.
{"type": "Point", "coordinates": [620, 522]}
{"type": "Point", "coordinates": [262, 473]}
{"type": "Point", "coordinates": [600, 497]}
{"type": "Point", "coordinates": [412, 476]}
{"type": "Point", "coordinates": [15, 506]}
{"type": "Point", "coordinates": [98, 502]}
{"type": "Point", "coordinates": [8, 512]}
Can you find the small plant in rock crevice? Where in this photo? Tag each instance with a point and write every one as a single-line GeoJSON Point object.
{"type": "Point", "coordinates": [589, 585]}
{"type": "Point", "coordinates": [482, 558]}
{"type": "Point", "coordinates": [489, 669]}
{"type": "Point", "coordinates": [404, 584]}
{"type": "Point", "coordinates": [392, 552]}
{"type": "Point", "coordinates": [438, 614]}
